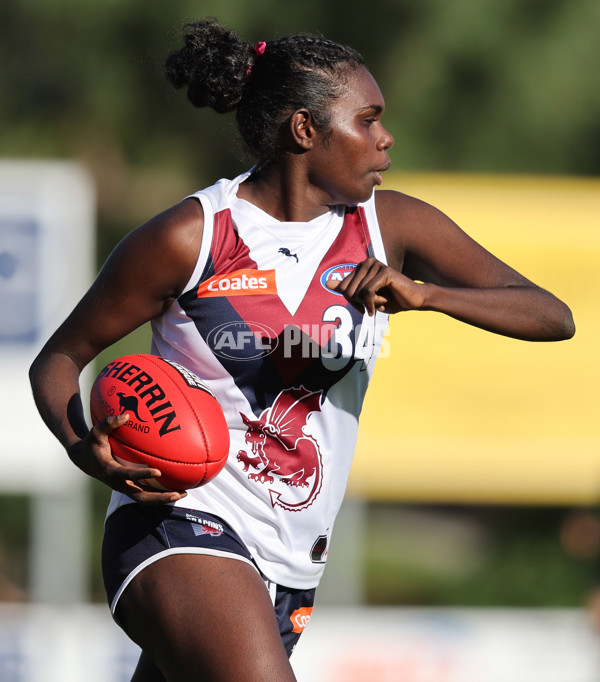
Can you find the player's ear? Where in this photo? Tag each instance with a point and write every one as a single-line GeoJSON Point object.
{"type": "Point", "coordinates": [302, 128]}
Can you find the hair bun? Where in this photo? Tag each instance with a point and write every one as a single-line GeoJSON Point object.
{"type": "Point", "coordinates": [212, 64]}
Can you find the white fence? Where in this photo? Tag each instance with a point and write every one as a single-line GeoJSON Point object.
{"type": "Point", "coordinates": [47, 644]}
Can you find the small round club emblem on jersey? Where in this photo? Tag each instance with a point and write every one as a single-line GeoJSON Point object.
{"type": "Point", "coordinates": [337, 273]}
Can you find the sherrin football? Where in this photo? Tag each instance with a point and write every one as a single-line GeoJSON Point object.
{"type": "Point", "coordinates": [175, 423]}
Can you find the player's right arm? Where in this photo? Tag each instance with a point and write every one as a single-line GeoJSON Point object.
{"type": "Point", "coordinates": [141, 278]}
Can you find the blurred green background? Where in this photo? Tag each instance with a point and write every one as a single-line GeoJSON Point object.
{"type": "Point", "coordinates": [484, 86]}
{"type": "Point", "coordinates": [470, 85]}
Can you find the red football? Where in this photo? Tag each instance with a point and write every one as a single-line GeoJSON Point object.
{"type": "Point", "coordinates": [175, 422]}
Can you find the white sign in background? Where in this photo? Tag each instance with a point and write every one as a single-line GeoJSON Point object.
{"type": "Point", "coordinates": [47, 245]}
{"type": "Point", "coordinates": [44, 644]}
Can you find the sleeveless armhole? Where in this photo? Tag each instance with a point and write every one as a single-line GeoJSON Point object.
{"type": "Point", "coordinates": [207, 235]}
{"type": "Point", "coordinates": [370, 209]}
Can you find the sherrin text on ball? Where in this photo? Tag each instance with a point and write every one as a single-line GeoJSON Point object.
{"type": "Point", "coordinates": [175, 422]}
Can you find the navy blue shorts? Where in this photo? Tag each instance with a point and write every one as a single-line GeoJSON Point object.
{"type": "Point", "coordinates": [137, 535]}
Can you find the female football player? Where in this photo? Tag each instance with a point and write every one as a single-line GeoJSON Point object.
{"type": "Point", "coordinates": [275, 288]}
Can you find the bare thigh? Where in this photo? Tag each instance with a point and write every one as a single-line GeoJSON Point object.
{"type": "Point", "coordinates": [204, 619]}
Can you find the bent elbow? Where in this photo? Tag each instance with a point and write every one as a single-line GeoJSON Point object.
{"type": "Point", "coordinates": [564, 327]}
{"type": "Point", "coordinates": [569, 329]}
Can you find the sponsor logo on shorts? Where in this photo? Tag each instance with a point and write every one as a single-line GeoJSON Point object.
{"type": "Point", "coordinates": [300, 618]}
{"type": "Point", "coordinates": [336, 274]}
{"type": "Point", "coordinates": [202, 526]}
{"type": "Point", "coordinates": [244, 282]}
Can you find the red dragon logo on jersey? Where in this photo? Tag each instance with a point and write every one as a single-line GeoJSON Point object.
{"type": "Point", "coordinates": [281, 451]}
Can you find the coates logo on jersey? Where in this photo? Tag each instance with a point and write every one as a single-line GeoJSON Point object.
{"type": "Point", "coordinates": [336, 274]}
{"type": "Point", "coordinates": [245, 282]}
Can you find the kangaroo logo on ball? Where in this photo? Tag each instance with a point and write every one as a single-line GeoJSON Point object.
{"type": "Point", "coordinates": [129, 403]}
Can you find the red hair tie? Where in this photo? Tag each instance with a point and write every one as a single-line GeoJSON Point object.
{"type": "Point", "coordinates": [259, 48]}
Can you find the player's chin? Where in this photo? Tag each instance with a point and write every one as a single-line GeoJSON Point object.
{"type": "Point", "coordinates": [361, 194]}
{"type": "Point", "coordinates": [356, 193]}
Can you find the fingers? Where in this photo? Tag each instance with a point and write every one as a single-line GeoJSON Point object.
{"type": "Point", "coordinates": [149, 496]}
{"type": "Point", "coordinates": [119, 469]}
{"type": "Point", "coordinates": [109, 424]}
{"type": "Point", "coordinates": [114, 467]}
{"type": "Point", "coordinates": [131, 481]}
{"type": "Point", "coordinates": [362, 287]}
{"type": "Point", "coordinates": [372, 286]}
{"type": "Point", "coordinates": [122, 476]}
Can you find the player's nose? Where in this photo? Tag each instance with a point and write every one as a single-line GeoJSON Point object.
{"type": "Point", "coordinates": [385, 141]}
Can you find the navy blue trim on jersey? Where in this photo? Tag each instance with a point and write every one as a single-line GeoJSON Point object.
{"type": "Point", "coordinates": [262, 377]}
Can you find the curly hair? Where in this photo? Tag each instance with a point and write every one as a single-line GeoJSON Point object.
{"type": "Point", "coordinates": [222, 71]}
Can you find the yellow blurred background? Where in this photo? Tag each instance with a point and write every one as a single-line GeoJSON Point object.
{"type": "Point", "coordinates": [458, 415]}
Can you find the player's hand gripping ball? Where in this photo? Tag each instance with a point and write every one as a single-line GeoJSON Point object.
{"type": "Point", "coordinates": [175, 423]}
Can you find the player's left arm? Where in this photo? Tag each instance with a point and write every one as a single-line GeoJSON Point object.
{"type": "Point", "coordinates": [434, 265]}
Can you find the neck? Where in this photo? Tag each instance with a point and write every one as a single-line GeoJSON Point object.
{"type": "Point", "coordinates": [282, 190]}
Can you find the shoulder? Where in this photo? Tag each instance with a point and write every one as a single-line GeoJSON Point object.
{"type": "Point", "coordinates": [179, 225]}
{"type": "Point", "coordinates": [395, 207]}
{"type": "Point", "coordinates": [171, 238]}
{"type": "Point", "coordinates": [404, 222]}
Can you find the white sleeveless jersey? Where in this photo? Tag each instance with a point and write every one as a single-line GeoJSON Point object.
{"type": "Point", "coordinates": [288, 359]}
